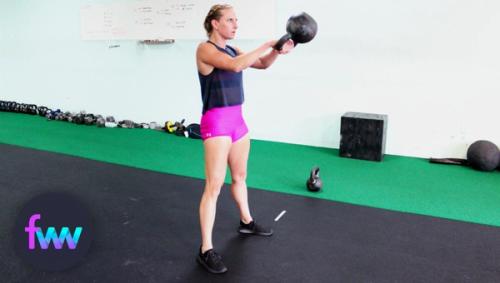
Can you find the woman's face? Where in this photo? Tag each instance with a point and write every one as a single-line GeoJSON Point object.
{"type": "Point", "coordinates": [227, 24]}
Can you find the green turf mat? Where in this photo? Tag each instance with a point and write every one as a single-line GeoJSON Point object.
{"type": "Point", "coordinates": [398, 183]}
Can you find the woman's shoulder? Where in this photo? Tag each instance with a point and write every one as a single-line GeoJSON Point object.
{"type": "Point", "coordinates": [202, 50]}
{"type": "Point", "coordinates": [205, 47]}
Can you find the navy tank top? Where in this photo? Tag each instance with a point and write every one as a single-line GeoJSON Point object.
{"type": "Point", "coordinates": [221, 88]}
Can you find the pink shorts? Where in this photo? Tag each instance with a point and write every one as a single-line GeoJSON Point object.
{"type": "Point", "coordinates": [223, 121]}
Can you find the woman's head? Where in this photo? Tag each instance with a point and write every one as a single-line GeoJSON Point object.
{"type": "Point", "coordinates": [222, 19]}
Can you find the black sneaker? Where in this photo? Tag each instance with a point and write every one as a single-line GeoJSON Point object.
{"type": "Point", "coordinates": [212, 261]}
{"type": "Point", "coordinates": [253, 228]}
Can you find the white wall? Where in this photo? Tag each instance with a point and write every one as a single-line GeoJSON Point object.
{"type": "Point", "coordinates": [432, 66]}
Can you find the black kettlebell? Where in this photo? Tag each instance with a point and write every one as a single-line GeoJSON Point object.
{"type": "Point", "coordinates": [78, 119]}
{"type": "Point", "coordinates": [32, 109]}
{"type": "Point", "coordinates": [89, 119]}
{"type": "Point", "coordinates": [42, 110]}
{"type": "Point", "coordinates": [300, 28]}
{"type": "Point", "coordinates": [194, 131]}
{"type": "Point", "coordinates": [314, 183]}
{"type": "Point", "coordinates": [180, 128]}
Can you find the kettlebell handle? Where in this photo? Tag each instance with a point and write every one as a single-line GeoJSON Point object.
{"type": "Point", "coordinates": [315, 173]}
{"type": "Point", "coordinates": [279, 45]}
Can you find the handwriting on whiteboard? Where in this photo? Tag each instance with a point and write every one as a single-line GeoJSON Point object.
{"type": "Point", "coordinates": [160, 19]}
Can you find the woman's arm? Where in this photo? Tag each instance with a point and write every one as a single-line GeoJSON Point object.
{"type": "Point", "coordinates": [208, 54]}
{"type": "Point", "coordinates": [267, 60]}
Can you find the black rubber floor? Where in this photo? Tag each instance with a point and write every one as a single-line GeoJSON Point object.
{"type": "Point", "coordinates": [147, 230]}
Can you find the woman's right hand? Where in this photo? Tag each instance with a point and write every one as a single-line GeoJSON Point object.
{"type": "Point", "coordinates": [287, 47]}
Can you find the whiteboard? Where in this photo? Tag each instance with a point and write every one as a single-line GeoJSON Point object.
{"type": "Point", "coordinates": [176, 19]}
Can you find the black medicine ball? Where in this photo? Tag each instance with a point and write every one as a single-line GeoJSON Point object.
{"type": "Point", "coordinates": [483, 155]}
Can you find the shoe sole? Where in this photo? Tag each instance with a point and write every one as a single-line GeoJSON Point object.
{"type": "Point", "coordinates": [251, 232]}
{"type": "Point", "coordinates": [211, 270]}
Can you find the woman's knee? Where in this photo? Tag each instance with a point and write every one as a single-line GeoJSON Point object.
{"type": "Point", "coordinates": [213, 187]}
{"type": "Point", "coordinates": [239, 177]}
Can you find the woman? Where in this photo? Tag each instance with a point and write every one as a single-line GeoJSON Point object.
{"type": "Point", "coordinates": [223, 130]}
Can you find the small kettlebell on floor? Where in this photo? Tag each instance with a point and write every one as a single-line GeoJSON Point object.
{"type": "Point", "coordinates": [314, 183]}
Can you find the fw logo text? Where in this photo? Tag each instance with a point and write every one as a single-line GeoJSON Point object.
{"type": "Point", "coordinates": [51, 235]}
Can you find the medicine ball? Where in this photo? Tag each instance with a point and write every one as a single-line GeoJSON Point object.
{"type": "Point", "coordinates": [483, 155]}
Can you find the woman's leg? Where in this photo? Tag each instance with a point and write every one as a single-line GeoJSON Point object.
{"type": "Point", "coordinates": [238, 157]}
{"type": "Point", "coordinates": [216, 156]}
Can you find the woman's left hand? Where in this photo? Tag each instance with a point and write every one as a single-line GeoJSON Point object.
{"type": "Point", "coordinates": [287, 47]}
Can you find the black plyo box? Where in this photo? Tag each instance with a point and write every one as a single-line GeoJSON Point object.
{"type": "Point", "coordinates": [362, 136]}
